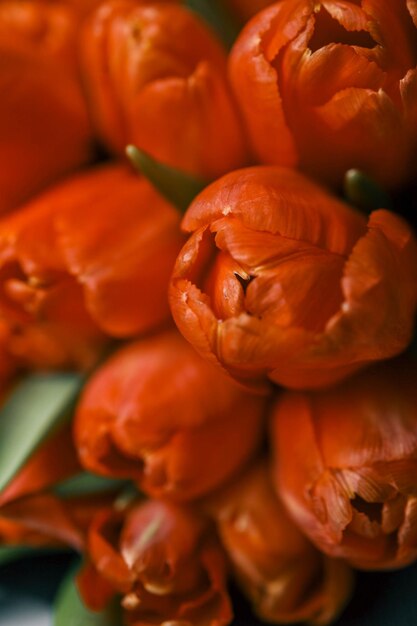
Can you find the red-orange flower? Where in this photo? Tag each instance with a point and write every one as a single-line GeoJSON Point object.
{"type": "Point", "coordinates": [346, 465]}
{"type": "Point", "coordinates": [156, 77]}
{"type": "Point", "coordinates": [281, 279]}
{"type": "Point", "coordinates": [163, 559]}
{"type": "Point", "coordinates": [90, 257]}
{"type": "Point", "coordinates": [44, 125]}
{"type": "Point", "coordinates": [285, 577]}
{"type": "Point", "coordinates": [159, 414]}
{"type": "Point", "coordinates": [328, 85]}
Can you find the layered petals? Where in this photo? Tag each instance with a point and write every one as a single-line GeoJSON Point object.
{"type": "Point", "coordinates": [88, 259]}
{"type": "Point", "coordinates": [320, 87]}
{"type": "Point", "coordinates": [159, 414]}
{"type": "Point", "coordinates": [280, 279]}
{"type": "Point", "coordinates": [284, 576]}
{"type": "Point", "coordinates": [345, 465]}
{"type": "Point", "coordinates": [156, 77]}
{"type": "Point", "coordinates": [163, 559]}
{"type": "Point", "coordinates": [44, 127]}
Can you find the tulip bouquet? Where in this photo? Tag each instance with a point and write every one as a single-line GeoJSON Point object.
{"type": "Point", "coordinates": [208, 289]}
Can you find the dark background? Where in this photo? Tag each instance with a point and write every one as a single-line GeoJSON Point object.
{"type": "Point", "coordinates": [381, 599]}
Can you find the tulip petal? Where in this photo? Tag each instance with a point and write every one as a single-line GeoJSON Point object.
{"type": "Point", "coordinates": [336, 67]}
{"type": "Point", "coordinates": [390, 25]}
{"type": "Point", "coordinates": [278, 201]}
{"type": "Point", "coordinates": [412, 7]}
{"type": "Point", "coordinates": [203, 100]}
{"type": "Point", "coordinates": [109, 254]}
{"type": "Point", "coordinates": [349, 15]}
{"type": "Point", "coordinates": [249, 66]}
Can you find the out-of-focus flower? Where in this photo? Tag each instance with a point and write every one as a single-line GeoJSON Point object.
{"type": "Point", "coordinates": [346, 465]}
{"type": "Point", "coordinates": [159, 414]}
{"type": "Point", "coordinates": [45, 519]}
{"type": "Point", "coordinates": [281, 279]}
{"type": "Point", "coordinates": [245, 9]}
{"type": "Point", "coordinates": [32, 514]}
{"type": "Point", "coordinates": [166, 562]}
{"type": "Point", "coordinates": [54, 461]}
{"type": "Point", "coordinates": [91, 257]}
{"type": "Point", "coordinates": [328, 85]}
{"type": "Point", "coordinates": [285, 577]}
{"type": "Point", "coordinates": [44, 125]}
{"type": "Point", "coordinates": [156, 77]}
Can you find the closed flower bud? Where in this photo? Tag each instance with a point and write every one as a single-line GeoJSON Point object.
{"type": "Point", "coordinates": [346, 465]}
{"type": "Point", "coordinates": [284, 576]}
{"type": "Point", "coordinates": [328, 86]}
{"type": "Point", "coordinates": [159, 414]}
{"type": "Point", "coordinates": [163, 559]}
{"type": "Point", "coordinates": [280, 279]}
{"type": "Point", "coordinates": [44, 125]}
{"type": "Point", "coordinates": [156, 77]}
{"type": "Point", "coordinates": [89, 258]}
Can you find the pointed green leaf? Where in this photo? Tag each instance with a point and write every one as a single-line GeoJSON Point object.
{"type": "Point", "coordinates": [176, 186]}
{"type": "Point", "coordinates": [364, 193]}
{"type": "Point", "coordinates": [70, 610]}
{"type": "Point", "coordinates": [35, 407]}
{"type": "Point", "coordinates": [86, 483]}
{"type": "Point", "coordinates": [218, 17]}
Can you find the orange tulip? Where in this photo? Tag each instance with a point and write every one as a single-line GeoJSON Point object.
{"type": "Point", "coordinates": [281, 279]}
{"type": "Point", "coordinates": [346, 465]}
{"type": "Point", "coordinates": [156, 77]}
{"type": "Point", "coordinates": [328, 85]}
{"type": "Point", "coordinates": [44, 125]}
{"type": "Point", "coordinates": [160, 415]}
{"type": "Point", "coordinates": [285, 577]}
{"type": "Point", "coordinates": [164, 560]}
{"type": "Point", "coordinates": [90, 257]}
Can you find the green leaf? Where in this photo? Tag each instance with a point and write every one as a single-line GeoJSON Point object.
{"type": "Point", "coordinates": [35, 407]}
{"type": "Point", "coordinates": [86, 483]}
{"type": "Point", "coordinates": [364, 193]}
{"type": "Point", "coordinates": [218, 17]}
{"type": "Point", "coordinates": [70, 610]}
{"type": "Point", "coordinates": [176, 186]}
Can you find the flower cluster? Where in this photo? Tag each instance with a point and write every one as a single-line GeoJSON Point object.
{"type": "Point", "coordinates": [247, 404]}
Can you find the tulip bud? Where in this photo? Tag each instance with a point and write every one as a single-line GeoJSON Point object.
{"type": "Point", "coordinates": [284, 576]}
{"type": "Point", "coordinates": [89, 258]}
{"type": "Point", "coordinates": [156, 78]}
{"type": "Point", "coordinates": [157, 413]}
{"type": "Point", "coordinates": [44, 125]}
{"type": "Point", "coordinates": [328, 87]}
{"type": "Point", "coordinates": [346, 465]}
{"type": "Point", "coordinates": [163, 559]}
{"type": "Point", "coordinates": [281, 280]}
